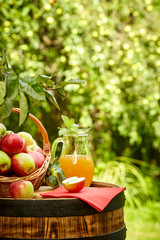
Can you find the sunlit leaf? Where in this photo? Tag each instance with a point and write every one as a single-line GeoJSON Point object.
{"type": "Point", "coordinates": [2, 92]}
{"type": "Point", "coordinates": [12, 83]}
{"type": "Point", "coordinates": [23, 108]}
{"type": "Point", "coordinates": [52, 98]}
{"type": "Point", "coordinates": [61, 93]}
{"type": "Point", "coordinates": [32, 87]}
{"type": "Point", "coordinates": [46, 81]}
{"type": "Point", "coordinates": [62, 131]}
{"type": "Point", "coordinates": [72, 81]}
{"type": "Point", "coordinates": [5, 109]}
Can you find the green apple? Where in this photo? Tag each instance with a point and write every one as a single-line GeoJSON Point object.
{"type": "Point", "coordinates": [9, 132]}
{"type": "Point", "coordinates": [5, 163]}
{"type": "Point", "coordinates": [2, 129]}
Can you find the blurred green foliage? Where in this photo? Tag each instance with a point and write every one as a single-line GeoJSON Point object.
{"type": "Point", "coordinates": [115, 46]}
{"type": "Point", "coordinates": [143, 223]}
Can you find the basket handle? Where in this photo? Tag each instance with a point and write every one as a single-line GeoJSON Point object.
{"type": "Point", "coordinates": [46, 144]}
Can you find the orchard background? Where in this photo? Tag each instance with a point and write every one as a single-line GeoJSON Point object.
{"type": "Point", "coordinates": [115, 47]}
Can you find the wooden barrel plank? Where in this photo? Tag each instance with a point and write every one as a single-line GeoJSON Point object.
{"type": "Point", "coordinates": [71, 218]}
{"type": "Point", "coordinates": [61, 227]}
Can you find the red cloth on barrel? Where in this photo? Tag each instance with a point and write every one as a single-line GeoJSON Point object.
{"type": "Point", "coordinates": [96, 197]}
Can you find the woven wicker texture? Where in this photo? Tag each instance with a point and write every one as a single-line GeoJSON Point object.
{"type": "Point", "coordinates": [37, 176]}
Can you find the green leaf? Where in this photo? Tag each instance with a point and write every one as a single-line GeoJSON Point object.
{"type": "Point", "coordinates": [23, 107]}
{"type": "Point", "coordinates": [53, 179]}
{"type": "Point", "coordinates": [12, 83]}
{"type": "Point", "coordinates": [52, 98]}
{"type": "Point", "coordinates": [26, 10]}
{"type": "Point", "coordinates": [42, 76]}
{"type": "Point", "coordinates": [66, 121]}
{"type": "Point", "coordinates": [2, 92]}
{"type": "Point", "coordinates": [9, 76]}
{"type": "Point", "coordinates": [55, 174]}
{"type": "Point", "coordinates": [74, 128]}
{"type": "Point", "coordinates": [6, 108]}
{"type": "Point", "coordinates": [62, 131]}
{"type": "Point", "coordinates": [32, 87]}
{"type": "Point", "coordinates": [71, 122]}
{"type": "Point", "coordinates": [46, 81]}
{"type": "Point", "coordinates": [72, 81]}
{"type": "Point", "coordinates": [61, 175]}
{"type": "Point", "coordinates": [70, 126]}
{"type": "Point", "coordinates": [61, 93]}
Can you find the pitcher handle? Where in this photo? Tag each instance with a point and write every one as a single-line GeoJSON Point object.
{"type": "Point", "coordinates": [53, 149]}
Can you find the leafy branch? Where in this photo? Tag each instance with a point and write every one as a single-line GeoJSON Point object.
{"type": "Point", "coordinates": [70, 126]}
{"type": "Point", "coordinates": [30, 89]}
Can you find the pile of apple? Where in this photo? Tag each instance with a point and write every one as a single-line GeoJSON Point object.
{"type": "Point", "coordinates": [19, 153]}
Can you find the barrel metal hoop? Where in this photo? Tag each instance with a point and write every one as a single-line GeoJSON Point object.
{"type": "Point", "coordinates": [117, 235]}
{"type": "Point", "coordinates": [67, 207]}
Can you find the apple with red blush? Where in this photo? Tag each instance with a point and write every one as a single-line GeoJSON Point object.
{"type": "Point", "coordinates": [21, 189]}
{"type": "Point", "coordinates": [24, 148]}
{"type": "Point", "coordinates": [34, 148]}
{"type": "Point", "coordinates": [74, 184]}
{"type": "Point", "coordinates": [38, 159]}
{"type": "Point", "coordinates": [23, 164]}
{"type": "Point", "coordinates": [12, 144]}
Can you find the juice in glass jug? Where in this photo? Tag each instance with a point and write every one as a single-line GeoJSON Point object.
{"type": "Point", "coordinates": [75, 158]}
{"type": "Point", "coordinates": [78, 165]}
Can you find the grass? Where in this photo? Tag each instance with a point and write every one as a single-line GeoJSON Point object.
{"type": "Point", "coordinates": [143, 223]}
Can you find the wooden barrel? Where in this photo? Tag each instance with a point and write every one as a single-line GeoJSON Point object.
{"type": "Point", "coordinates": [62, 218]}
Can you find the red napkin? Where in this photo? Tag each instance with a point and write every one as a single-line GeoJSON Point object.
{"type": "Point", "coordinates": [96, 197]}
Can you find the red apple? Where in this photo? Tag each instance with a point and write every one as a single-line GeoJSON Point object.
{"type": "Point", "coordinates": [34, 148]}
{"type": "Point", "coordinates": [21, 189]}
{"type": "Point", "coordinates": [13, 175]}
{"type": "Point", "coordinates": [11, 144]}
{"type": "Point", "coordinates": [23, 164]}
{"type": "Point", "coordinates": [27, 137]}
{"type": "Point", "coordinates": [38, 159]}
{"type": "Point", "coordinates": [5, 163]}
{"type": "Point", "coordinates": [74, 184]}
{"type": "Point", "coordinates": [24, 146]}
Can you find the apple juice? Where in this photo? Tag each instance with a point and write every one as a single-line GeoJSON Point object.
{"type": "Point", "coordinates": [78, 165]}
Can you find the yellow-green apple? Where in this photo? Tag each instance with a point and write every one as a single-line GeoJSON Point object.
{"type": "Point", "coordinates": [5, 163]}
{"type": "Point", "coordinates": [2, 129]}
{"type": "Point", "coordinates": [11, 144]}
{"type": "Point", "coordinates": [27, 137]}
{"type": "Point", "coordinates": [38, 158]}
{"type": "Point", "coordinates": [34, 142]}
{"type": "Point", "coordinates": [34, 148]}
{"type": "Point", "coordinates": [8, 132]}
{"type": "Point", "coordinates": [21, 189]}
{"type": "Point", "coordinates": [23, 164]}
{"type": "Point", "coordinates": [74, 184]}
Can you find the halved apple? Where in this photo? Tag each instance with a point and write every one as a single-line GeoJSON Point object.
{"type": "Point", "coordinates": [74, 184]}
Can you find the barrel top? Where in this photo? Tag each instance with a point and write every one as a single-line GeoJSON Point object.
{"type": "Point", "coordinates": [57, 207]}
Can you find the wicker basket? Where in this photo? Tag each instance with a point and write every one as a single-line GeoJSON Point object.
{"type": "Point", "coordinates": [37, 176]}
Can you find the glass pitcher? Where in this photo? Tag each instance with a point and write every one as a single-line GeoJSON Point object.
{"type": "Point", "coordinates": [75, 158]}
